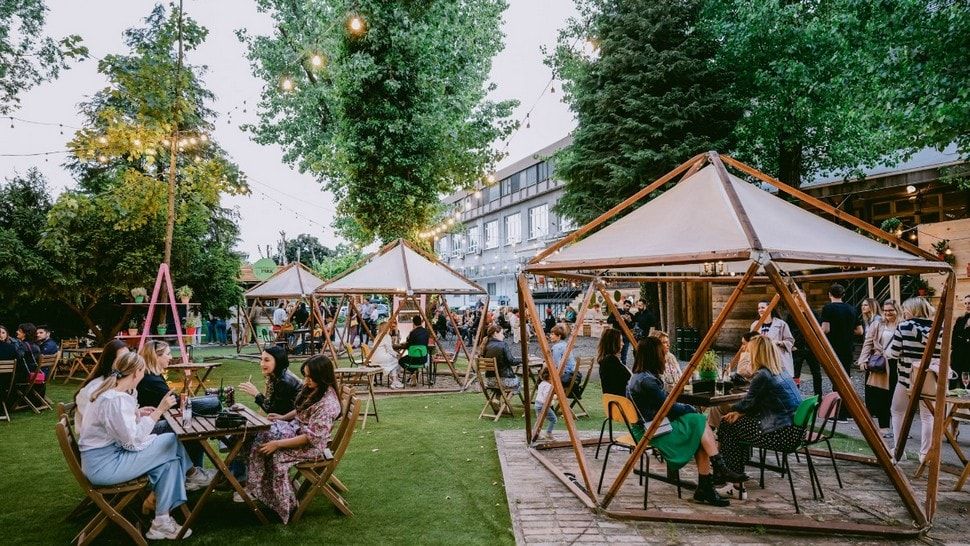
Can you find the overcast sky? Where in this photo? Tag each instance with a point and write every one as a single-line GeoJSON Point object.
{"type": "Point", "coordinates": [298, 204]}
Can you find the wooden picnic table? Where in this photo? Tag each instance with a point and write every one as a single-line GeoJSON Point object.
{"type": "Point", "coordinates": [710, 399]}
{"type": "Point", "coordinates": [362, 376]}
{"type": "Point", "coordinates": [198, 371]}
{"type": "Point", "coordinates": [958, 407]}
{"type": "Point", "coordinates": [201, 430]}
{"type": "Point", "coordinates": [83, 359]}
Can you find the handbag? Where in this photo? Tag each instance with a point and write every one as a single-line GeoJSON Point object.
{"type": "Point", "coordinates": [206, 406]}
{"type": "Point", "coordinates": [230, 419]}
{"type": "Point", "coordinates": [876, 363]}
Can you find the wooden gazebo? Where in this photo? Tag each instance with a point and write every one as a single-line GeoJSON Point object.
{"type": "Point", "coordinates": [402, 270]}
{"type": "Point", "coordinates": [295, 282]}
{"type": "Point", "coordinates": [711, 226]}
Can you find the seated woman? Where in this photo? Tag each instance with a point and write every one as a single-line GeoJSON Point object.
{"type": "Point", "coordinates": [113, 350]}
{"type": "Point", "coordinates": [299, 435]}
{"type": "Point", "coordinates": [386, 357]}
{"type": "Point", "coordinates": [151, 390]}
{"type": "Point", "coordinates": [281, 385]}
{"type": "Point", "coordinates": [613, 374]}
{"type": "Point", "coordinates": [765, 415]}
{"type": "Point", "coordinates": [690, 438]}
{"type": "Point", "coordinates": [558, 336]}
{"type": "Point", "coordinates": [671, 365]}
{"type": "Point", "coordinates": [117, 444]}
{"type": "Point", "coordinates": [494, 346]}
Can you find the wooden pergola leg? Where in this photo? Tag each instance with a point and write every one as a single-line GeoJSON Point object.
{"type": "Point", "coordinates": [619, 320]}
{"type": "Point", "coordinates": [434, 339]}
{"type": "Point", "coordinates": [679, 387]}
{"type": "Point", "coordinates": [524, 313]}
{"type": "Point", "coordinates": [561, 365]}
{"type": "Point", "coordinates": [478, 335]}
{"type": "Point", "coordinates": [805, 320]}
{"type": "Point", "coordinates": [557, 387]}
{"type": "Point", "coordinates": [942, 384]}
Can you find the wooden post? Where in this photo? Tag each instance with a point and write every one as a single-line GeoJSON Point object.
{"type": "Point", "coordinates": [619, 320]}
{"type": "Point", "coordinates": [561, 365]}
{"type": "Point", "coordinates": [434, 339]}
{"type": "Point", "coordinates": [524, 312]}
{"type": "Point", "coordinates": [679, 387]}
{"type": "Point", "coordinates": [917, 379]}
{"type": "Point", "coordinates": [557, 387]}
{"type": "Point", "coordinates": [392, 319]}
{"type": "Point", "coordinates": [478, 336]}
{"type": "Point", "coordinates": [807, 323]}
{"type": "Point", "coordinates": [942, 384]}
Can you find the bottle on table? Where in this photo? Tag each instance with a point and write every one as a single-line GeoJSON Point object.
{"type": "Point", "coordinates": [186, 410]}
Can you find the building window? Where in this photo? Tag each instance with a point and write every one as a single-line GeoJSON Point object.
{"type": "Point", "coordinates": [531, 176]}
{"type": "Point", "coordinates": [543, 171]}
{"type": "Point", "coordinates": [506, 185]}
{"type": "Point", "coordinates": [513, 229]}
{"type": "Point", "coordinates": [491, 288]}
{"type": "Point", "coordinates": [491, 234]}
{"type": "Point", "coordinates": [538, 221]}
{"type": "Point", "coordinates": [474, 239]}
{"type": "Point", "coordinates": [459, 246]}
{"type": "Point", "coordinates": [494, 192]}
{"type": "Point", "coordinates": [516, 182]}
{"type": "Point", "coordinates": [566, 224]}
{"type": "Point", "coordinates": [550, 168]}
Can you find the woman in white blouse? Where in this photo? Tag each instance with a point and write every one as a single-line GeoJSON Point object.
{"type": "Point", "coordinates": [386, 357]}
{"type": "Point", "coordinates": [114, 350]}
{"type": "Point", "coordinates": [780, 334]}
{"type": "Point", "coordinates": [117, 444]}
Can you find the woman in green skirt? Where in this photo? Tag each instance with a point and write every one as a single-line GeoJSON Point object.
{"type": "Point", "coordinates": [688, 436]}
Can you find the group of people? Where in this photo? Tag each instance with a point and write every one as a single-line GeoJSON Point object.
{"type": "Point", "coordinates": [25, 348]}
{"type": "Point", "coordinates": [121, 433]}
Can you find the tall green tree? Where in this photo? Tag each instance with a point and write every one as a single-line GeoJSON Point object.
{"type": "Point", "coordinates": [27, 56]}
{"type": "Point", "coordinates": [385, 104]}
{"type": "Point", "coordinates": [307, 249]}
{"type": "Point", "coordinates": [640, 79]}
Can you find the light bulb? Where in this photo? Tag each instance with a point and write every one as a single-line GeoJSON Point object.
{"type": "Point", "coordinates": [490, 178]}
{"type": "Point", "coordinates": [103, 158]}
{"type": "Point", "coordinates": [948, 252]}
{"type": "Point", "coordinates": [912, 236]}
{"type": "Point", "coordinates": [286, 84]}
{"type": "Point", "coordinates": [478, 194]}
{"type": "Point", "coordinates": [193, 141]}
{"type": "Point", "coordinates": [911, 189]}
{"type": "Point", "coordinates": [316, 61]}
{"type": "Point", "coordinates": [204, 138]}
{"type": "Point", "coordinates": [899, 233]}
{"type": "Point", "coordinates": [102, 140]}
{"type": "Point", "coordinates": [163, 142]}
{"type": "Point", "coordinates": [136, 142]}
{"type": "Point", "coordinates": [356, 24]}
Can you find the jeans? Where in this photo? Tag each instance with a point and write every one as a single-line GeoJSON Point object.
{"type": "Point", "coordinates": [221, 332]}
{"type": "Point", "coordinates": [624, 350]}
{"type": "Point", "coordinates": [192, 449]}
{"type": "Point", "coordinates": [550, 416]}
{"type": "Point", "coordinates": [806, 356]}
{"type": "Point", "coordinates": [164, 460]}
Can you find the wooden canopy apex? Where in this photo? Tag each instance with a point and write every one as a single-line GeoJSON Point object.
{"type": "Point", "coordinates": [710, 225]}
{"type": "Point", "coordinates": [400, 268]}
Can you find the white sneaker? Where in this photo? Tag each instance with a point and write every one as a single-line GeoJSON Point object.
{"type": "Point", "coordinates": [199, 479]}
{"type": "Point", "coordinates": [165, 528]}
{"type": "Point", "coordinates": [236, 497]}
{"type": "Point", "coordinates": [547, 436]}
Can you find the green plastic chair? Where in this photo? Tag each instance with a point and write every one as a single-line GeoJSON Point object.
{"type": "Point", "coordinates": [804, 411]}
{"type": "Point", "coordinates": [415, 361]}
{"type": "Point", "coordinates": [804, 417]}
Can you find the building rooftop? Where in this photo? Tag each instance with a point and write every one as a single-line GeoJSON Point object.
{"type": "Point", "coordinates": [927, 158]}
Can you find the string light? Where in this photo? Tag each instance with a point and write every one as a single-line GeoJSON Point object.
{"type": "Point", "coordinates": [478, 194]}
{"type": "Point", "coordinates": [102, 140]}
{"type": "Point", "coordinates": [316, 61]}
{"type": "Point", "coordinates": [356, 24]}
{"type": "Point", "coordinates": [103, 158]}
{"type": "Point", "coordinates": [286, 84]}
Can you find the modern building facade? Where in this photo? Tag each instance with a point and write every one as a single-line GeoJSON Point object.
{"type": "Point", "coordinates": [506, 224]}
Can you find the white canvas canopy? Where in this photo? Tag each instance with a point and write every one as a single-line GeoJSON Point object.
{"type": "Point", "coordinates": [696, 221]}
{"type": "Point", "coordinates": [400, 269]}
{"type": "Point", "coordinates": [292, 281]}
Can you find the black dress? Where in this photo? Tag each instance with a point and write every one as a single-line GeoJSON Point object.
{"type": "Point", "coordinates": [614, 375]}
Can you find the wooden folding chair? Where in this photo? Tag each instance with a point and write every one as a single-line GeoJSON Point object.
{"type": "Point", "coordinates": [61, 364]}
{"type": "Point", "coordinates": [315, 477]}
{"type": "Point", "coordinates": [110, 500]}
{"type": "Point", "coordinates": [8, 370]}
{"type": "Point", "coordinates": [582, 363]}
{"type": "Point", "coordinates": [497, 398]}
{"type": "Point", "coordinates": [82, 365]}
{"type": "Point", "coordinates": [25, 396]}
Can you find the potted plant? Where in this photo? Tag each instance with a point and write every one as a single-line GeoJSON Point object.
{"type": "Point", "coordinates": [922, 287]}
{"type": "Point", "coordinates": [162, 329]}
{"type": "Point", "coordinates": [707, 368]}
{"type": "Point", "coordinates": [184, 294]}
{"type": "Point", "coordinates": [192, 324]}
{"type": "Point", "coordinates": [139, 294]}
{"type": "Point", "coordinates": [132, 327]}
{"type": "Point", "coordinates": [944, 252]}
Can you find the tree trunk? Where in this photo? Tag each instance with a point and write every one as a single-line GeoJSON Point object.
{"type": "Point", "coordinates": [790, 155]}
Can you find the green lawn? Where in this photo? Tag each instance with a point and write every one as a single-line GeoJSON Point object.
{"type": "Point", "coordinates": [428, 472]}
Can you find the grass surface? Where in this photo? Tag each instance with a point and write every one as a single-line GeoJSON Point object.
{"type": "Point", "coordinates": [427, 473]}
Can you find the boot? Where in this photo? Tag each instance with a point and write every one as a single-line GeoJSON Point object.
{"type": "Point", "coordinates": [723, 474]}
{"type": "Point", "coordinates": [706, 494]}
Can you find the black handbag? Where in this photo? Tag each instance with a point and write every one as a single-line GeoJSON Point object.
{"type": "Point", "coordinates": [230, 419]}
{"type": "Point", "coordinates": [206, 406]}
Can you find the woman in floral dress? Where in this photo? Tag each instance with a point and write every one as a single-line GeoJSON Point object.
{"type": "Point", "coordinates": [298, 436]}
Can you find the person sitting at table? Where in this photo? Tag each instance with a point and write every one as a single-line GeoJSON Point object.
{"type": "Point", "coordinates": [558, 336]}
{"type": "Point", "coordinates": [44, 341]}
{"type": "Point", "coordinates": [672, 369]}
{"type": "Point", "coordinates": [386, 357]}
{"type": "Point", "coordinates": [281, 385]}
{"type": "Point", "coordinates": [419, 336]}
{"type": "Point", "coordinates": [113, 350]}
{"type": "Point", "coordinates": [689, 436]}
{"type": "Point", "coordinates": [765, 415]}
{"type": "Point", "coordinates": [299, 435]}
{"type": "Point", "coordinates": [495, 346]}
{"type": "Point", "coordinates": [151, 390]}
{"type": "Point", "coordinates": [613, 374]}
{"type": "Point", "coordinates": [117, 444]}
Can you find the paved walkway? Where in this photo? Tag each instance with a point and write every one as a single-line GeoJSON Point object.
{"type": "Point", "coordinates": [544, 511]}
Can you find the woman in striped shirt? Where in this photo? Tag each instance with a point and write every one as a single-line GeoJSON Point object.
{"type": "Point", "coordinates": [906, 349]}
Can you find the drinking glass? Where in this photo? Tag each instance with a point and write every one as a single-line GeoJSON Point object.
{"type": "Point", "coordinates": [965, 377]}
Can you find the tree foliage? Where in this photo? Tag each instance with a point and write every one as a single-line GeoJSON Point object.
{"type": "Point", "coordinates": [307, 249]}
{"type": "Point", "coordinates": [27, 57]}
{"type": "Point", "coordinates": [342, 259]}
{"type": "Point", "coordinates": [388, 117]}
{"type": "Point", "coordinates": [646, 99]}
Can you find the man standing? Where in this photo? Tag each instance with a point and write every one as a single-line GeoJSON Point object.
{"type": "Point", "coordinates": [960, 355]}
{"type": "Point", "coordinates": [840, 322]}
{"type": "Point", "coordinates": [47, 345]}
{"type": "Point", "coordinates": [644, 320]}
{"type": "Point", "coordinates": [279, 316]}
{"type": "Point", "coordinates": [627, 316]}
{"type": "Point", "coordinates": [802, 353]}
{"type": "Point", "coordinates": [550, 322]}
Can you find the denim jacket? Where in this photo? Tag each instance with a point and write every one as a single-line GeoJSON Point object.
{"type": "Point", "coordinates": [773, 398]}
{"type": "Point", "coordinates": [648, 394]}
{"type": "Point", "coordinates": [557, 351]}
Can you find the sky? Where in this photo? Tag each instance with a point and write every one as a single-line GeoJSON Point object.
{"type": "Point", "coordinates": [282, 199]}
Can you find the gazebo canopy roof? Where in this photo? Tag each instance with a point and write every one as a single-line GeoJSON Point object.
{"type": "Point", "coordinates": [701, 220]}
{"type": "Point", "coordinates": [291, 281]}
{"type": "Point", "coordinates": [399, 268]}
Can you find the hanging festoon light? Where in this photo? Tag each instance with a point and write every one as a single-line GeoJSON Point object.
{"type": "Point", "coordinates": [478, 194]}
{"type": "Point", "coordinates": [490, 178]}
{"type": "Point", "coordinates": [102, 140]}
{"type": "Point", "coordinates": [287, 85]}
{"type": "Point", "coordinates": [356, 24]}
{"type": "Point", "coordinates": [204, 138]}
{"type": "Point", "coordinates": [316, 60]}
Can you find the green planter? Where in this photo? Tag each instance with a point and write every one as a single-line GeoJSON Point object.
{"type": "Point", "coordinates": [162, 330]}
{"type": "Point", "coordinates": [708, 375]}
{"type": "Point", "coordinates": [139, 299]}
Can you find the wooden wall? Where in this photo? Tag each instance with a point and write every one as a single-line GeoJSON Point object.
{"type": "Point", "coordinates": [958, 232]}
{"type": "Point", "coordinates": [746, 311]}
